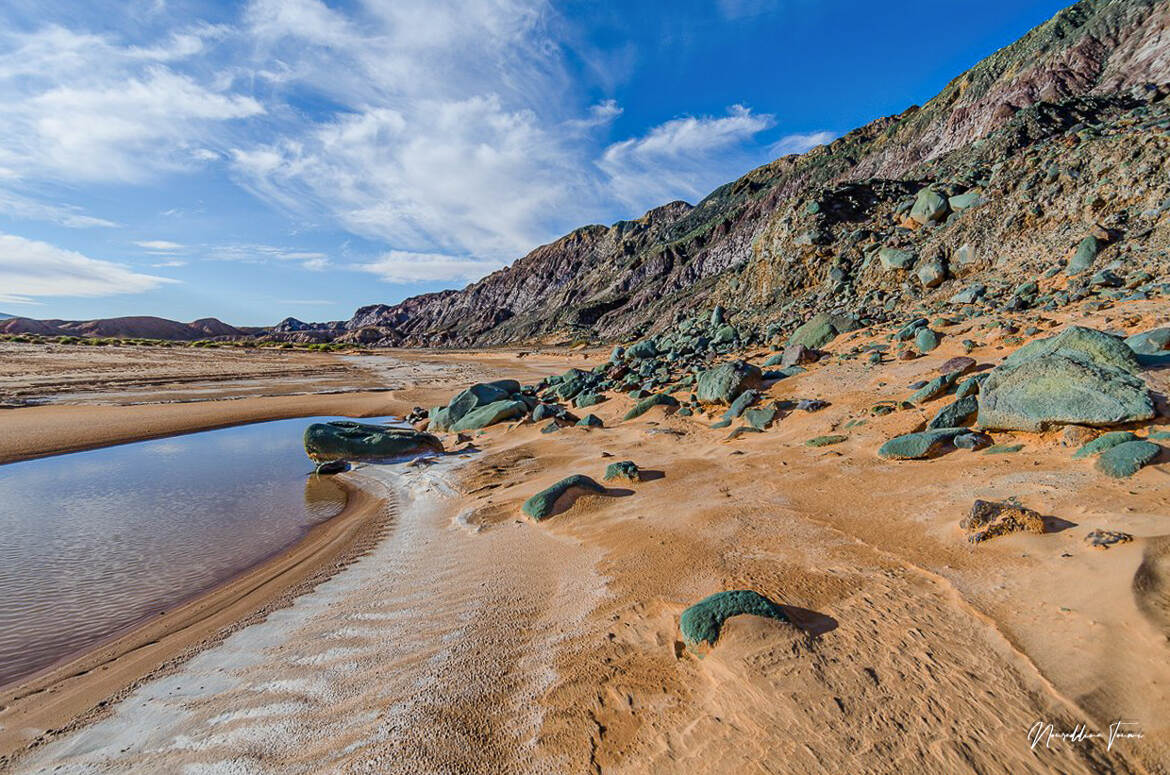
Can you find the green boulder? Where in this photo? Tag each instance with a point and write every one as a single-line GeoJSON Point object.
{"type": "Point", "coordinates": [701, 623]}
{"type": "Point", "coordinates": [1127, 458]}
{"type": "Point", "coordinates": [1096, 346]}
{"type": "Point", "coordinates": [1061, 389]}
{"type": "Point", "coordinates": [1086, 253]}
{"type": "Point", "coordinates": [929, 206]}
{"type": "Point", "coordinates": [1103, 442]}
{"type": "Point", "coordinates": [960, 413]}
{"type": "Point", "coordinates": [725, 382]}
{"type": "Point", "coordinates": [545, 503]}
{"type": "Point", "coordinates": [623, 469]}
{"type": "Point", "coordinates": [915, 446]}
{"type": "Point", "coordinates": [648, 403]}
{"type": "Point", "coordinates": [497, 412]}
{"type": "Point", "coordinates": [821, 329]}
{"type": "Point", "coordinates": [892, 258]}
{"type": "Point", "coordinates": [347, 440]}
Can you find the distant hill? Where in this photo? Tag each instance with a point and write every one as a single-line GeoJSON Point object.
{"type": "Point", "coordinates": [5, 316]}
{"type": "Point", "coordinates": [143, 327]}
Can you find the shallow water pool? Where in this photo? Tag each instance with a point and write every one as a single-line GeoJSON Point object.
{"type": "Point", "coordinates": [92, 542]}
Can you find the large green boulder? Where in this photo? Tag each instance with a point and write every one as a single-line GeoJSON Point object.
{"type": "Point", "coordinates": [724, 383]}
{"type": "Point", "coordinates": [546, 502]}
{"type": "Point", "coordinates": [1096, 346]}
{"type": "Point", "coordinates": [1080, 376]}
{"type": "Point", "coordinates": [1061, 389]}
{"type": "Point", "coordinates": [915, 446]}
{"type": "Point", "coordinates": [497, 412]}
{"type": "Point", "coordinates": [929, 206]}
{"type": "Point", "coordinates": [701, 623]}
{"type": "Point", "coordinates": [821, 329]}
{"type": "Point", "coordinates": [443, 418]}
{"type": "Point", "coordinates": [347, 440]}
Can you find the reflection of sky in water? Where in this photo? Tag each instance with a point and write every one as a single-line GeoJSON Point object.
{"type": "Point", "coordinates": [93, 541]}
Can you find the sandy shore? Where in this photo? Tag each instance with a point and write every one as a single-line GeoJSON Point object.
{"type": "Point", "coordinates": [472, 640]}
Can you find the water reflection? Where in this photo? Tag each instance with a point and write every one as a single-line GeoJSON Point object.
{"type": "Point", "coordinates": [91, 542]}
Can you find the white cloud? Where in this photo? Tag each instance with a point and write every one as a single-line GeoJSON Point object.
{"type": "Point", "coordinates": [159, 246]}
{"type": "Point", "coordinates": [398, 266]}
{"type": "Point", "coordinates": [18, 205]}
{"type": "Point", "coordinates": [684, 157]}
{"type": "Point", "coordinates": [79, 107]}
{"type": "Point", "coordinates": [29, 268]}
{"type": "Point", "coordinates": [263, 254]}
{"type": "Point", "coordinates": [171, 263]}
{"type": "Point", "coordinates": [800, 143]}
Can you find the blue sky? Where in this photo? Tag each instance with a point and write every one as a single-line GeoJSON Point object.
{"type": "Point", "coordinates": [255, 160]}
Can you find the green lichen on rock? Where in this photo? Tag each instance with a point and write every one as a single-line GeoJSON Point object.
{"type": "Point", "coordinates": [1127, 458]}
{"type": "Point", "coordinates": [347, 440]}
{"type": "Point", "coordinates": [1095, 346]}
{"type": "Point", "coordinates": [702, 622]}
{"type": "Point", "coordinates": [544, 504]}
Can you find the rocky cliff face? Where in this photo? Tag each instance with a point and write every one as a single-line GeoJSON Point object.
{"type": "Point", "coordinates": [1060, 135]}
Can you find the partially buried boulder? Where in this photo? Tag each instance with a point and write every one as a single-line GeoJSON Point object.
{"type": "Point", "coordinates": [1081, 376]}
{"type": "Point", "coordinates": [546, 502]}
{"type": "Point", "coordinates": [724, 383]}
{"type": "Point", "coordinates": [1127, 458]}
{"type": "Point", "coordinates": [623, 469]}
{"type": "Point", "coordinates": [915, 446]}
{"type": "Point", "coordinates": [648, 403]}
{"type": "Point", "coordinates": [701, 623]}
{"type": "Point", "coordinates": [347, 440]}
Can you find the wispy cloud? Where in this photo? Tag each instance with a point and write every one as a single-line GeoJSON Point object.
{"type": "Point", "coordinates": [398, 266]}
{"type": "Point", "coordinates": [801, 143]}
{"type": "Point", "coordinates": [263, 254]}
{"type": "Point", "coordinates": [159, 245]}
{"type": "Point", "coordinates": [29, 268]}
{"type": "Point", "coordinates": [683, 157]}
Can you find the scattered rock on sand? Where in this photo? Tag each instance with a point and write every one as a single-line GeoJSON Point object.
{"type": "Point", "coordinates": [1127, 458]}
{"type": "Point", "coordinates": [1103, 539]}
{"type": "Point", "coordinates": [960, 413]}
{"type": "Point", "coordinates": [989, 519]}
{"type": "Point", "coordinates": [914, 446]}
{"type": "Point", "coordinates": [700, 624]}
{"type": "Point", "coordinates": [648, 403]}
{"type": "Point", "coordinates": [544, 504]}
{"type": "Point", "coordinates": [825, 441]}
{"type": "Point", "coordinates": [820, 329]}
{"type": "Point", "coordinates": [623, 469]}
{"type": "Point", "coordinates": [348, 440]}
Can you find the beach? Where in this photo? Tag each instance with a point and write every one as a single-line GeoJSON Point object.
{"type": "Point", "coordinates": [433, 628]}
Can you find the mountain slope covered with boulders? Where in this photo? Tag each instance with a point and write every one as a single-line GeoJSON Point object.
{"type": "Point", "coordinates": [1056, 144]}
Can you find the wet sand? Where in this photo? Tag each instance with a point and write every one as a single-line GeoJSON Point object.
{"type": "Point", "coordinates": [472, 640]}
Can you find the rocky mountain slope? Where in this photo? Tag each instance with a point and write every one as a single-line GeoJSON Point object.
{"type": "Point", "coordinates": [1060, 136]}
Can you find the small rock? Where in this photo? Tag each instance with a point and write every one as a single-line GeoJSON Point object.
{"type": "Point", "coordinates": [989, 519]}
{"type": "Point", "coordinates": [1127, 458]}
{"type": "Point", "coordinates": [1103, 539]}
{"type": "Point", "coordinates": [622, 469]}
